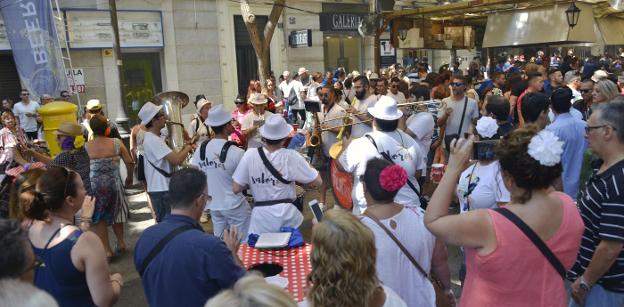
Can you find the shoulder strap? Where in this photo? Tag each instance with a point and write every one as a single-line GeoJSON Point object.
{"type": "Point", "coordinates": [116, 146]}
{"type": "Point", "coordinates": [224, 151]}
{"type": "Point", "coordinates": [161, 244]}
{"type": "Point", "coordinates": [202, 150]}
{"type": "Point", "coordinates": [270, 167]}
{"type": "Point", "coordinates": [158, 169]}
{"type": "Point", "coordinates": [398, 243]}
{"type": "Point", "coordinates": [387, 157]}
{"type": "Point", "coordinates": [539, 243]}
{"type": "Point", "coordinates": [461, 123]}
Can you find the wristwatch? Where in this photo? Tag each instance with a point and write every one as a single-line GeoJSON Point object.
{"type": "Point", "coordinates": [583, 284]}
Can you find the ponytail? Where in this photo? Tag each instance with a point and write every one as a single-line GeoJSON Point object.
{"type": "Point", "coordinates": [34, 206]}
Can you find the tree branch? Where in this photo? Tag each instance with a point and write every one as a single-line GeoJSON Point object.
{"type": "Point", "coordinates": [252, 27]}
{"type": "Point", "coordinates": [276, 11]}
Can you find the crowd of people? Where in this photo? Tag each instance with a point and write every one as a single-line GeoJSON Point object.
{"type": "Point", "coordinates": [533, 160]}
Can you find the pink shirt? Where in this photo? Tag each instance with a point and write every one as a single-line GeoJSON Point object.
{"type": "Point", "coordinates": [516, 273]}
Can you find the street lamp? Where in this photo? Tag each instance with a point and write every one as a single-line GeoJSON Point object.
{"type": "Point", "coordinates": [403, 34]}
{"type": "Point", "coordinates": [572, 14]}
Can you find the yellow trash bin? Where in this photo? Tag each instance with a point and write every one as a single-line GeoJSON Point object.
{"type": "Point", "coordinates": [53, 114]}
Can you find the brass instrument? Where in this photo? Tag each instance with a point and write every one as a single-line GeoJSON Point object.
{"type": "Point", "coordinates": [315, 138]}
{"type": "Point", "coordinates": [173, 102]}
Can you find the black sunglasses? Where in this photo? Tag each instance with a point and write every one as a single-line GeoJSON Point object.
{"type": "Point", "coordinates": [24, 94]}
{"type": "Point", "coordinates": [456, 84]}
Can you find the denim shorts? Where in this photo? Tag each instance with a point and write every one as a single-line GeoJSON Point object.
{"type": "Point", "coordinates": [160, 203]}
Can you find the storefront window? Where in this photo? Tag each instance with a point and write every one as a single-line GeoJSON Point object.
{"type": "Point", "coordinates": [142, 80]}
{"type": "Point", "coordinates": [343, 51]}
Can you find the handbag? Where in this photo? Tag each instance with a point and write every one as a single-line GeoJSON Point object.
{"type": "Point", "coordinates": [442, 299]}
{"type": "Point", "coordinates": [292, 97]}
{"type": "Point", "coordinates": [449, 138]}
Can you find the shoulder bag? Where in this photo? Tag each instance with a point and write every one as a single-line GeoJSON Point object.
{"type": "Point", "coordinates": [292, 96]}
{"type": "Point", "coordinates": [442, 299]}
{"type": "Point", "coordinates": [298, 202]}
{"type": "Point", "coordinates": [161, 244]}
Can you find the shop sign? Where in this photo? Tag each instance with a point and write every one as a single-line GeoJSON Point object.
{"type": "Point", "coordinates": [387, 53]}
{"type": "Point", "coordinates": [299, 39]}
{"type": "Point", "coordinates": [75, 80]}
{"type": "Point", "coordinates": [340, 22]}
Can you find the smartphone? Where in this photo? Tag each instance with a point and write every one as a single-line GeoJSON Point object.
{"type": "Point", "coordinates": [484, 150]}
{"type": "Point", "coordinates": [316, 210]}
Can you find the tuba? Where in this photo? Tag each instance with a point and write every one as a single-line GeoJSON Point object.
{"type": "Point", "coordinates": [173, 102]}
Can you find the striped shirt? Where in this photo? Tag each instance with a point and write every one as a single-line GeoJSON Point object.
{"type": "Point", "coordinates": [602, 208]}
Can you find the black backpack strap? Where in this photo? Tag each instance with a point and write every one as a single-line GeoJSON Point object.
{"type": "Point", "coordinates": [224, 151]}
{"type": "Point", "coordinates": [158, 169]}
{"type": "Point", "coordinates": [539, 243]}
{"type": "Point", "coordinates": [161, 244]}
{"type": "Point", "coordinates": [387, 157]}
{"type": "Point", "coordinates": [270, 167]}
{"type": "Point", "coordinates": [461, 123]}
{"type": "Point", "coordinates": [202, 150]}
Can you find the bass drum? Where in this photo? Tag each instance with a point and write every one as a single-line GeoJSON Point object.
{"type": "Point", "coordinates": [342, 185]}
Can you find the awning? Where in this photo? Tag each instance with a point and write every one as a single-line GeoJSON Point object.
{"type": "Point", "coordinates": [539, 26]}
{"type": "Point", "coordinates": [611, 30]}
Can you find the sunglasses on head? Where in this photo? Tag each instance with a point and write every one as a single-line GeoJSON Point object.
{"type": "Point", "coordinates": [457, 84]}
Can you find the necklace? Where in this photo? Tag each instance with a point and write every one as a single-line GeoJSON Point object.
{"type": "Point", "coordinates": [401, 143]}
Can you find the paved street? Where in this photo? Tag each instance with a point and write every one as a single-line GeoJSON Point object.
{"type": "Point", "coordinates": [140, 218]}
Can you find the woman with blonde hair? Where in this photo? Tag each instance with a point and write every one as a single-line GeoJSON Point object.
{"type": "Point", "coordinates": [252, 291]}
{"type": "Point", "coordinates": [604, 91]}
{"type": "Point", "coordinates": [343, 265]}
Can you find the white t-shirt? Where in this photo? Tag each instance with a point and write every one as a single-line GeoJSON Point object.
{"type": "Point", "coordinates": [399, 97]}
{"type": "Point", "coordinates": [392, 300]}
{"type": "Point", "coordinates": [359, 130]}
{"type": "Point", "coordinates": [402, 149]}
{"type": "Point", "coordinates": [155, 150]}
{"type": "Point", "coordinates": [265, 187]}
{"type": "Point", "coordinates": [484, 186]}
{"type": "Point", "coordinates": [394, 269]}
{"type": "Point", "coordinates": [293, 84]}
{"type": "Point", "coordinates": [332, 118]}
{"type": "Point", "coordinates": [453, 121]}
{"type": "Point", "coordinates": [254, 140]}
{"type": "Point", "coordinates": [29, 124]}
{"type": "Point", "coordinates": [422, 125]}
{"type": "Point", "coordinates": [198, 127]}
{"type": "Point", "coordinates": [220, 174]}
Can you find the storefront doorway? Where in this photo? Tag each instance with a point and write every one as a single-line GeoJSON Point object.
{"type": "Point", "coordinates": [9, 78]}
{"type": "Point", "coordinates": [246, 60]}
{"type": "Point", "coordinates": [142, 80]}
{"type": "Point", "coordinates": [342, 51]}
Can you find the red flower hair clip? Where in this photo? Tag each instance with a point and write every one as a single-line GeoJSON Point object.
{"type": "Point", "coordinates": [392, 178]}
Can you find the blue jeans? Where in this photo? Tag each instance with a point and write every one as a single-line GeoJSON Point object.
{"type": "Point", "coordinates": [160, 203]}
{"type": "Point", "coordinates": [600, 297]}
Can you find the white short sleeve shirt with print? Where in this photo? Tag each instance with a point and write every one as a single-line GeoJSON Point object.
{"type": "Point", "coordinates": [155, 150]}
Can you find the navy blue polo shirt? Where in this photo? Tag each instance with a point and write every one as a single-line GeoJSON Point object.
{"type": "Point", "coordinates": [190, 269]}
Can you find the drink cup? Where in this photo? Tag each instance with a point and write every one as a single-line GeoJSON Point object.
{"type": "Point", "coordinates": [437, 171]}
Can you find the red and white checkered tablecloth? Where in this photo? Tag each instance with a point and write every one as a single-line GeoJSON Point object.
{"type": "Point", "coordinates": [295, 261]}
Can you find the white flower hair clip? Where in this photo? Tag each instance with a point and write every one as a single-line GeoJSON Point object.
{"type": "Point", "coordinates": [497, 92]}
{"type": "Point", "coordinates": [487, 127]}
{"type": "Point", "coordinates": [546, 148]}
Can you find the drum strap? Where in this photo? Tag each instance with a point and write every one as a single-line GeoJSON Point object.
{"type": "Point", "coordinates": [270, 167]}
{"type": "Point", "coordinates": [273, 202]}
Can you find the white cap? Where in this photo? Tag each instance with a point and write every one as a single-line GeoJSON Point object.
{"type": "Point", "coordinates": [94, 105]}
{"type": "Point", "coordinates": [599, 75]}
{"type": "Point", "coordinates": [275, 128]}
{"type": "Point", "coordinates": [148, 111]}
{"type": "Point", "coordinates": [302, 70]}
{"type": "Point", "coordinates": [201, 103]}
{"type": "Point", "coordinates": [218, 116]}
{"type": "Point", "coordinates": [374, 76]}
{"type": "Point", "coordinates": [385, 108]}
{"type": "Point", "coordinates": [257, 98]}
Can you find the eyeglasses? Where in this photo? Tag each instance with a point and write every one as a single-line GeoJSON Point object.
{"type": "Point", "coordinates": [24, 94]}
{"type": "Point", "coordinates": [456, 84]}
{"type": "Point", "coordinates": [590, 128]}
{"type": "Point", "coordinates": [585, 91]}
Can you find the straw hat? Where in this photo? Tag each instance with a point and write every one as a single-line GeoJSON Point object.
{"type": "Point", "coordinates": [258, 99]}
{"type": "Point", "coordinates": [218, 116]}
{"type": "Point", "coordinates": [148, 111]}
{"type": "Point", "coordinates": [275, 128]}
{"type": "Point", "coordinates": [201, 103]}
{"type": "Point", "coordinates": [69, 129]}
{"type": "Point", "coordinates": [94, 105]}
{"type": "Point", "coordinates": [385, 108]}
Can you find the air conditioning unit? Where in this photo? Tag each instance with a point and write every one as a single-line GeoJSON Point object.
{"type": "Point", "coordinates": [413, 40]}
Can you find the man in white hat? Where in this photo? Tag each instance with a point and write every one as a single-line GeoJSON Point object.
{"type": "Point", "coordinates": [197, 126]}
{"type": "Point", "coordinates": [94, 106]}
{"type": "Point", "coordinates": [159, 159]}
{"type": "Point", "coordinates": [254, 120]}
{"type": "Point", "coordinates": [395, 145]}
{"type": "Point", "coordinates": [270, 173]}
{"type": "Point", "coordinates": [218, 159]}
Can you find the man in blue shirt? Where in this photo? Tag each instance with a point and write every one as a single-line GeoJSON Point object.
{"type": "Point", "coordinates": [192, 266]}
{"type": "Point", "coordinates": [572, 132]}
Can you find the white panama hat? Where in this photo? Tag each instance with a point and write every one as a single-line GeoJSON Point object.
{"type": "Point", "coordinates": [201, 103]}
{"type": "Point", "coordinates": [218, 116]}
{"type": "Point", "coordinates": [148, 111]}
{"type": "Point", "coordinates": [275, 128]}
{"type": "Point", "coordinates": [258, 99]}
{"type": "Point", "coordinates": [385, 108]}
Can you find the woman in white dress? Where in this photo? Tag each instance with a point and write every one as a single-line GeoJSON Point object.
{"type": "Point", "coordinates": [385, 218]}
{"type": "Point", "coordinates": [343, 265]}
